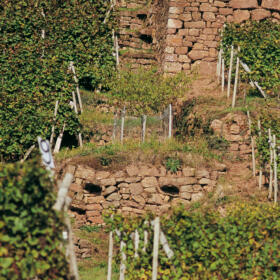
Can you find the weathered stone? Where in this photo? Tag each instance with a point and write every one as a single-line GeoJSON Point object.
{"type": "Point", "coordinates": [234, 147]}
{"type": "Point", "coordinates": [174, 40]}
{"type": "Point", "coordinates": [107, 204]}
{"type": "Point", "coordinates": [194, 24]}
{"type": "Point", "coordinates": [196, 16]}
{"type": "Point", "coordinates": [96, 220]}
{"type": "Point", "coordinates": [118, 174]}
{"type": "Point", "coordinates": [185, 59]}
{"type": "Point", "coordinates": [276, 15]}
{"type": "Point", "coordinates": [187, 188]}
{"type": "Point", "coordinates": [134, 210]}
{"type": "Point", "coordinates": [176, 10]}
{"type": "Point", "coordinates": [220, 167]}
{"type": "Point", "coordinates": [186, 195]}
{"type": "Point", "coordinates": [219, 4]}
{"type": "Point", "coordinates": [271, 4]}
{"type": "Point", "coordinates": [197, 54]}
{"type": "Point", "coordinates": [181, 181]}
{"type": "Point", "coordinates": [169, 50]}
{"type": "Point", "coordinates": [108, 182]}
{"type": "Point", "coordinates": [172, 67]}
{"type": "Point", "coordinates": [241, 4]}
{"type": "Point", "coordinates": [181, 50]}
{"type": "Point", "coordinates": [260, 14]}
{"type": "Point", "coordinates": [185, 17]}
{"type": "Point", "coordinates": [202, 173]}
{"type": "Point", "coordinates": [151, 190]}
{"type": "Point", "coordinates": [139, 199]}
{"type": "Point", "coordinates": [197, 196]}
{"type": "Point", "coordinates": [125, 196]}
{"type": "Point", "coordinates": [109, 190]}
{"type": "Point", "coordinates": [204, 181]}
{"type": "Point", "coordinates": [197, 188]}
{"type": "Point", "coordinates": [132, 179]}
{"type": "Point", "coordinates": [241, 15]}
{"type": "Point", "coordinates": [174, 23]}
{"type": "Point", "coordinates": [135, 188]}
{"type": "Point", "coordinates": [226, 11]}
{"type": "Point", "coordinates": [234, 129]}
{"type": "Point", "coordinates": [155, 199]}
{"type": "Point", "coordinates": [92, 213]}
{"type": "Point", "coordinates": [113, 196]}
{"type": "Point", "coordinates": [102, 175]}
{"type": "Point", "coordinates": [129, 203]}
{"type": "Point", "coordinates": [90, 207]}
{"type": "Point", "coordinates": [94, 199]}
{"type": "Point", "coordinates": [75, 188]}
{"type": "Point", "coordinates": [149, 182]}
{"type": "Point", "coordinates": [206, 7]}
{"type": "Point", "coordinates": [188, 172]}
{"type": "Point", "coordinates": [209, 16]}
{"type": "Point", "coordinates": [171, 57]}
{"type": "Point", "coordinates": [178, 201]}
{"type": "Point", "coordinates": [85, 173]}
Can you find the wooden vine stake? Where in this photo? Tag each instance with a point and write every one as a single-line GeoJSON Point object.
{"type": "Point", "coordinates": [123, 259]}
{"type": "Point", "coordinates": [252, 144]}
{"type": "Point", "coordinates": [236, 81]}
{"type": "Point", "coordinates": [115, 126]}
{"type": "Point", "coordinates": [144, 122]}
{"type": "Point", "coordinates": [275, 170]}
{"type": "Point", "coordinates": [270, 165]}
{"type": "Point", "coordinates": [122, 123]}
{"type": "Point", "coordinates": [230, 71]}
{"type": "Point", "coordinates": [156, 248]}
{"type": "Point", "coordinates": [80, 139]}
{"type": "Point", "coordinates": [110, 256]}
{"type": "Point", "coordinates": [219, 65]}
{"type": "Point", "coordinates": [261, 172]}
{"type": "Point", "coordinates": [54, 119]}
{"type": "Point", "coordinates": [59, 140]}
{"type": "Point", "coordinates": [170, 121]}
{"type": "Point", "coordinates": [72, 67]}
{"type": "Point", "coordinates": [223, 75]}
{"type": "Point", "coordinates": [136, 243]}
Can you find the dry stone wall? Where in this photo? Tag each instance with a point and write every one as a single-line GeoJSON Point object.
{"type": "Point", "coordinates": [136, 189]}
{"type": "Point", "coordinates": [176, 34]}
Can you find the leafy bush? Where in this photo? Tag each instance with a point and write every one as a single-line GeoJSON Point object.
{"type": "Point", "coordinates": [145, 91]}
{"type": "Point", "coordinates": [242, 245]}
{"type": "Point", "coordinates": [30, 230]}
{"type": "Point", "coordinates": [259, 49]}
{"type": "Point", "coordinates": [173, 164]}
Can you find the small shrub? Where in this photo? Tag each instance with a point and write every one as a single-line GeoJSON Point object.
{"type": "Point", "coordinates": [90, 228]}
{"type": "Point", "coordinates": [173, 164]}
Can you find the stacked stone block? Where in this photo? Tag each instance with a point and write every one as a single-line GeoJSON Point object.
{"type": "Point", "coordinates": [192, 28]}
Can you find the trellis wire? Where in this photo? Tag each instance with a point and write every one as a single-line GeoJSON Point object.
{"type": "Point", "coordinates": [260, 172]}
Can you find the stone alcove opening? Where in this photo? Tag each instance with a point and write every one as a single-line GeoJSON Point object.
{"type": "Point", "coordinates": [148, 39]}
{"type": "Point", "coordinates": [93, 188]}
{"type": "Point", "coordinates": [79, 211]}
{"type": "Point", "coordinates": [170, 190]}
{"type": "Point", "coordinates": [142, 16]}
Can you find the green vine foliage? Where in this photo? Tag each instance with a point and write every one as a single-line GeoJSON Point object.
{"type": "Point", "coordinates": [259, 49]}
{"type": "Point", "coordinates": [34, 71]}
{"type": "Point", "coordinates": [145, 91]}
{"type": "Point", "coordinates": [242, 245]}
{"type": "Point", "coordinates": [30, 230]}
{"type": "Point", "coordinates": [268, 120]}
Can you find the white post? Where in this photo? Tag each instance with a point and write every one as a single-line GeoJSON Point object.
{"type": "Point", "coordinates": [53, 127]}
{"type": "Point", "coordinates": [77, 85]}
{"type": "Point", "coordinates": [136, 243]}
{"type": "Point", "coordinates": [115, 126]}
{"type": "Point", "coordinates": [59, 140]}
{"type": "Point", "coordinates": [252, 144]}
{"type": "Point", "coordinates": [166, 248]}
{"type": "Point", "coordinates": [235, 82]}
{"type": "Point", "coordinates": [123, 259]}
{"type": "Point", "coordinates": [223, 75]}
{"type": "Point", "coordinates": [261, 172]}
{"type": "Point", "coordinates": [144, 122]}
{"type": "Point", "coordinates": [219, 65]}
{"type": "Point", "coordinates": [80, 139]}
{"type": "Point", "coordinates": [110, 256]}
{"type": "Point", "coordinates": [230, 71]}
{"type": "Point", "coordinates": [145, 238]}
{"type": "Point", "coordinates": [270, 165]}
{"type": "Point", "coordinates": [170, 122]}
{"type": "Point", "coordinates": [122, 123]}
{"type": "Point", "coordinates": [156, 248]}
{"type": "Point", "coordinates": [275, 170]}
